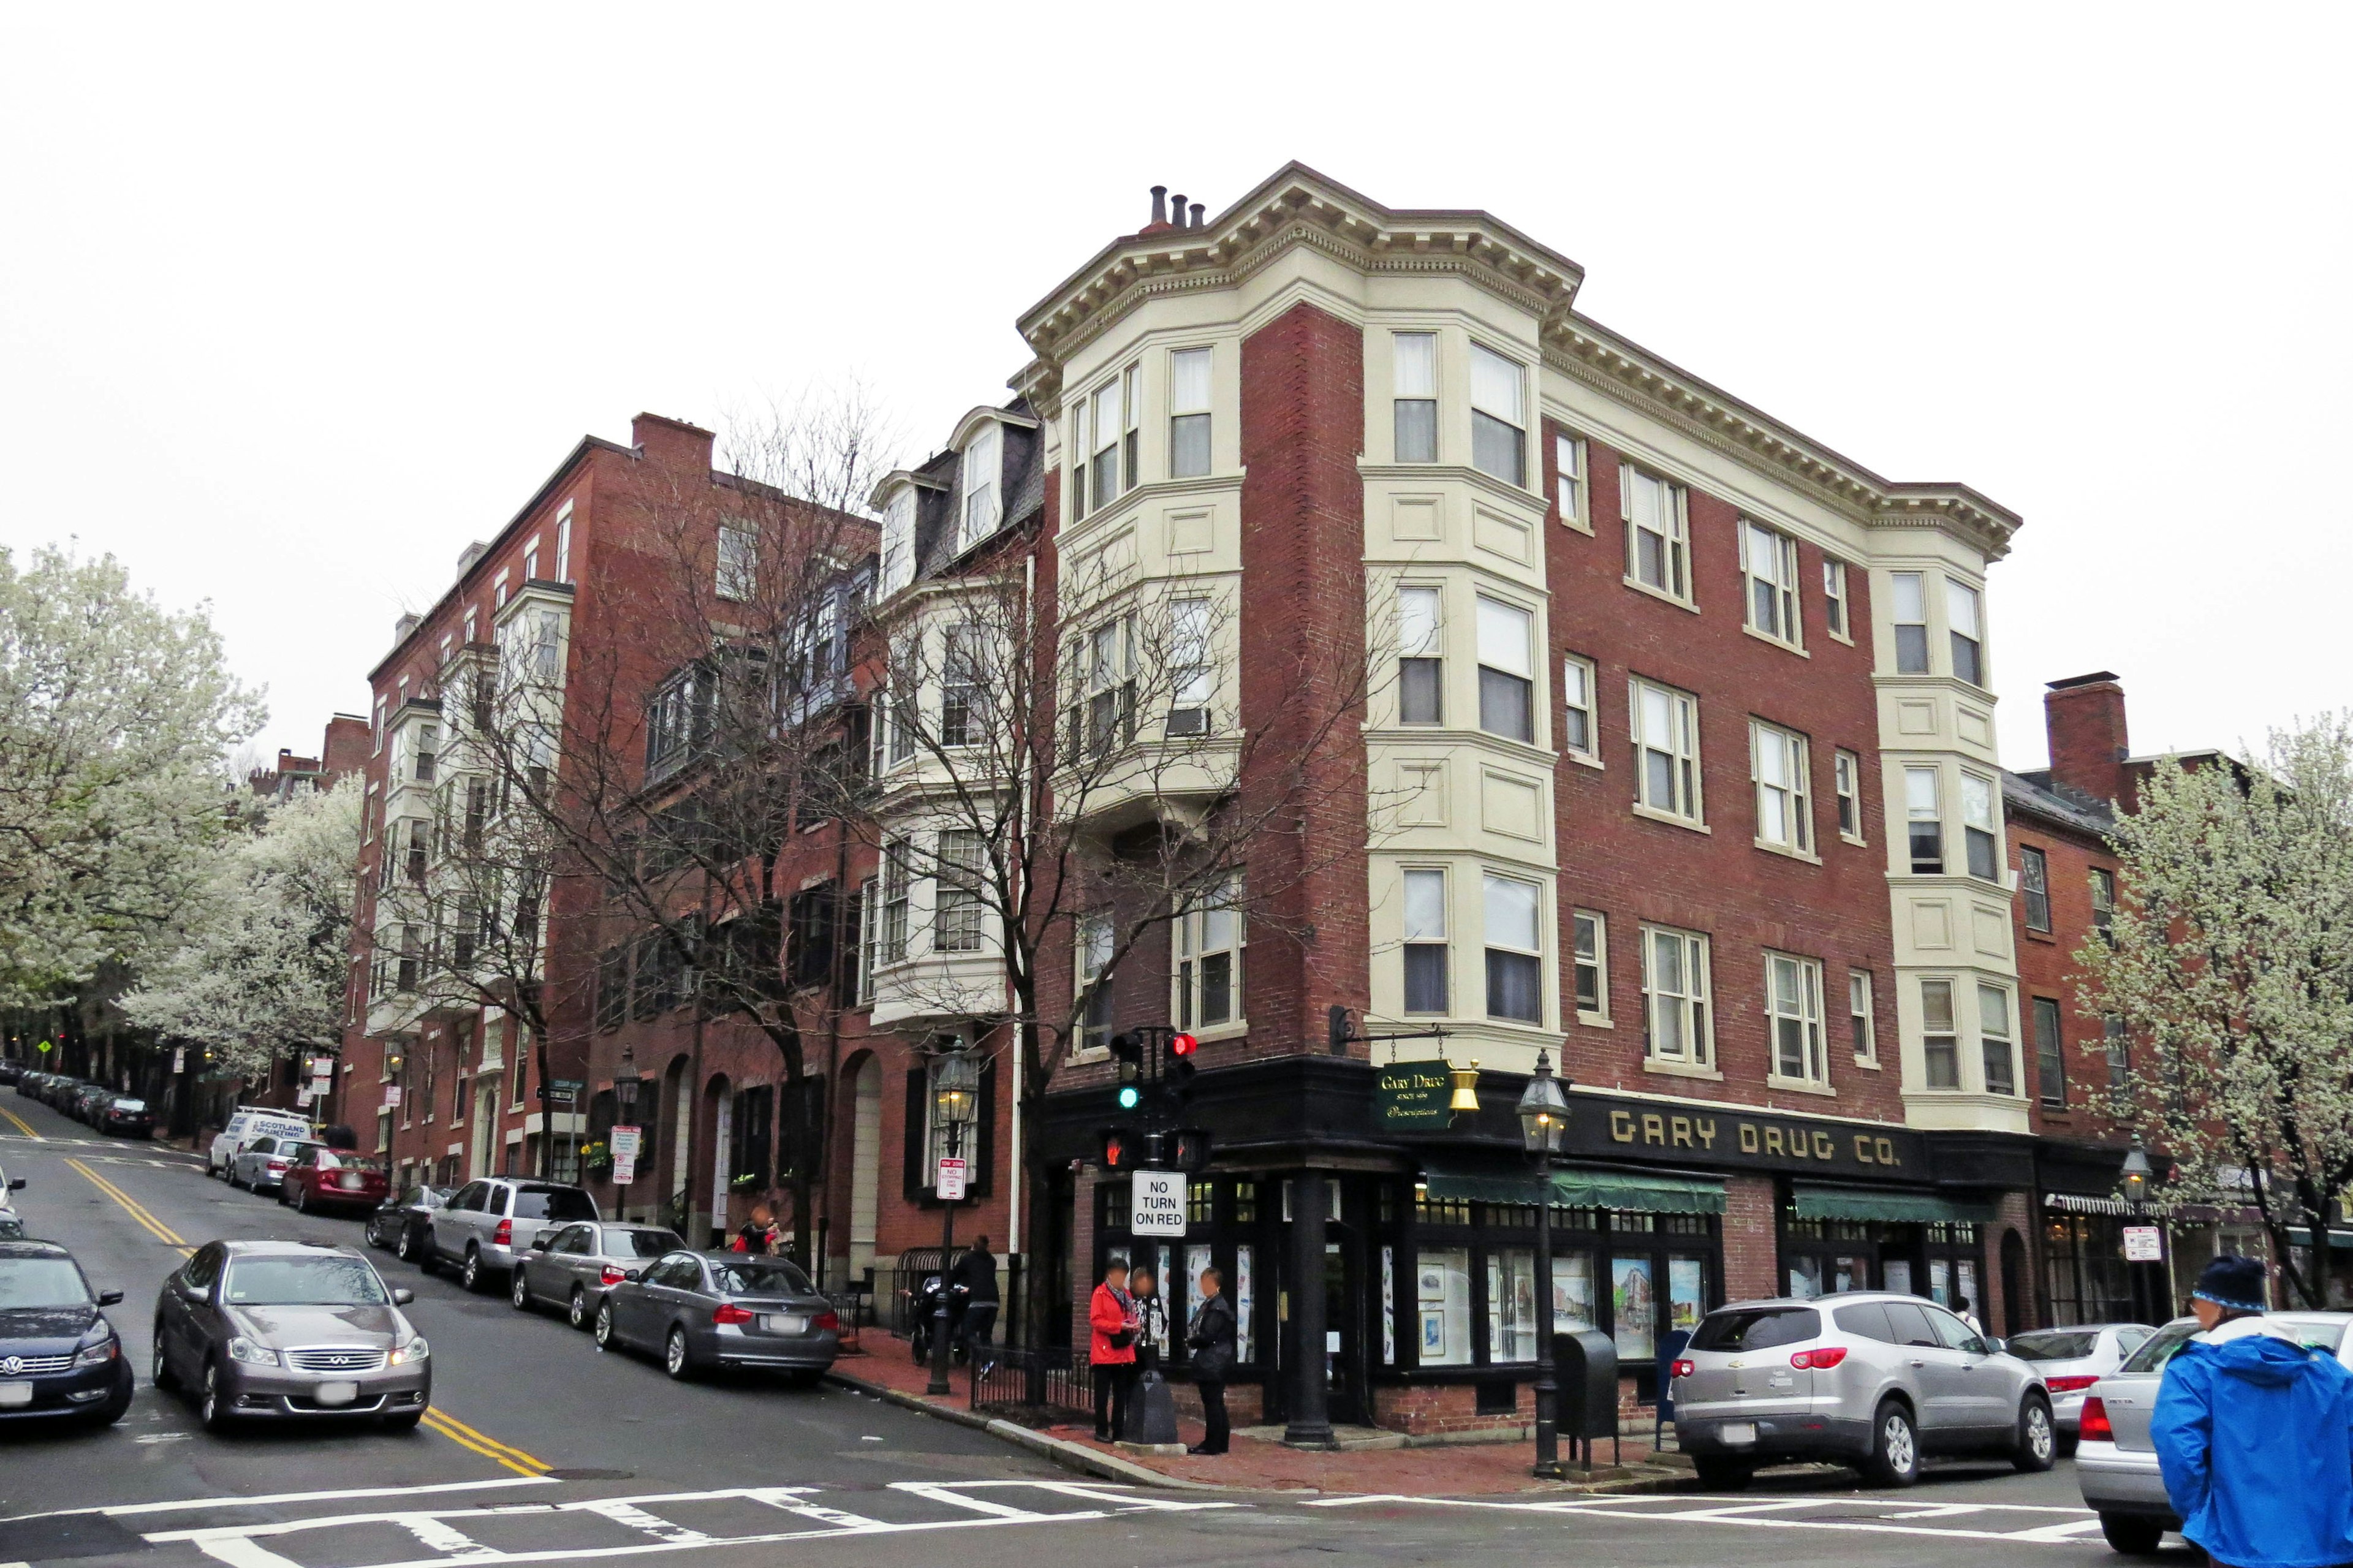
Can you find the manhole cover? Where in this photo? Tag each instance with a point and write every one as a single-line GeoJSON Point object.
{"type": "Point", "coordinates": [592, 1475]}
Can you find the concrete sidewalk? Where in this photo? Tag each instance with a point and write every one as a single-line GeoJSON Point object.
{"type": "Point", "coordinates": [1258, 1461]}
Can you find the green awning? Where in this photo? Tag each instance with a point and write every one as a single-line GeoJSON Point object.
{"type": "Point", "coordinates": [1582, 1187]}
{"type": "Point", "coordinates": [1810, 1200]}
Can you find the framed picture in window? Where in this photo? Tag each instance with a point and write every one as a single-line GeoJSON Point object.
{"type": "Point", "coordinates": [1432, 1285]}
{"type": "Point", "coordinates": [1433, 1331]}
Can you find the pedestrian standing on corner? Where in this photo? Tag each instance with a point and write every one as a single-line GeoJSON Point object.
{"type": "Point", "coordinates": [754, 1236]}
{"type": "Point", "coordinates": [1111, 1349]}
{"type": "Point", "coordinates": [2253, 1433]}
{"type": "Point", "coordinates": [1962, 1305]}
{"type": "Point", "coordinates": [1210, 1338]}
{"type": "Point", "coordinates": [1151, 1320]}
{"type": "Point", "coordinates": [976, 1270]}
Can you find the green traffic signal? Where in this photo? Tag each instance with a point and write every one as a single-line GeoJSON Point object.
{"type": "Point", "coordinates": [1129, 1096]}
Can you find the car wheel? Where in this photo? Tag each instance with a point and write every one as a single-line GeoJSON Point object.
{"type": "Point", "coordinates": [519, 1291]}
{"type": "Point", "coordinates": [469, 1274]}
{"type": "Point", "coordinates": [605, 1326]}
{"type": "Point", "coordinates": [405, 1246]}
{"type": "Point", "coordinates": [211, 1404]}
{"type": "Point", "coordinates": [675, 1359]}
{"type": "Point", "coordinates": [1719, 1473]}
{"type": "Point", "coordinates": [2038, 1439]}
{"type": "Point", "coordinates": [1895, 1446]}
{"type": "Point", "coordinates": [301, 1200]}
{"type": "Point", "coordinates": [577, 1313]}
{"type": "Point", "coordinates": [2131, 1534]}
{"type": "Point", "coordinates": [159, 1367]}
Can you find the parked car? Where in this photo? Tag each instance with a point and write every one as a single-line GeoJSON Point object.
{"type": "Point", "coordinates": [705, 1310]}
{"type": "Point", "coordinates": [246, 1124]}
{"type": "Point", "coordinates": [325, 1178]}
{"type": "Point", "coordinates": [2116, 1463]}
{"type": "Point", "coordinates": [288, 1331]}
{"type": "Point", "coordinates": [263, 1164]}
{"type": "Point", "coordinates": [486, 1224]}
{"type": "Point", "coordinates": [9, 1187]}
{"type": "Point", "coordinates": [2072, 1360]}
{"type": "Point", "coordinates": [404, 1218]}
{"type": "Point", "coordinates": [11, 1071]}
{"type": "Point", "coordinates": [60, 1358]}
{"type": "Point", "coordinates": [575, 1266]}
{"type": "Point", "coordinates": [122, 1115]}
{"type": "Point", "coordinates": [87, 1100]}
{"type": "Point", "coordinates": [1874, 1380]}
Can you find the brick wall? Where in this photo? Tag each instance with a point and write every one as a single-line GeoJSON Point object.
{"type": "Point", "coordinates": [1752, 1251]}
{"type": "Point", "coordinates": [2015, 1213]}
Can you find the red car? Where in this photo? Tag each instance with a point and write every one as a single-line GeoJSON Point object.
{"type": "Point", "coordinates": [325, 1178]}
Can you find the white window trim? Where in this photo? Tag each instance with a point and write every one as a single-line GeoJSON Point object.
{"type": "Point", "coordinates": [2010, 1038]}
{"type": "Point", "coordinates": [1521, 423]}
{"type": "Point", "coordinates": [1207, 411]}
{"type": "Point", "coordinates": [1600, 1018]}
{"type": "Point", "coordinates": [1850, 765]}
{"type": "Point", "coordinates": [1687, 707]}
{"type": "Point", "coordinates": [1590, 753]}
{"type": "Point", "coordinates": [1574, 500]}
{"type": "Point", "coordinates": [1445, 875]}
{"type": "Point", "coordinates": [1834, 572]}
{"type": "Point", "coordinates": [988, 440]}
{"type": "Point", "coordinates": [1538, 953]}
{"type": "Point", "coordinates": [1801, 791]}
{"type": "Point", "coordinates": [1789, 582]}
{"type": "Point", "coordinates": [1953, 1013]}
{"type": "Point", "coordinates": [1927, 624]}
{"type": "Point", "coordinates": [1187, 936]}
{"type": "Point", "coordinates": [1678, 536]}
{"type": "Point", "coordinates": [1702, 1062]}
{"type": "Point", "coordinates": [736, 565]}
{"type": "Point", "coordinates": [1869, 1056]}
{"type": "Point", "coordinates": [1810, 997]}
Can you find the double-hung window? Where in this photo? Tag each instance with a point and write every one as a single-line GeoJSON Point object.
{"type": "Point", "coordinates": [983, 466]}
{"type": "Point", "coordinates": [1210, 961]}
{"type": "Point", "coordinates": [1675, 1022]}
{"type": "Point", "coordinates": [1094, 944]}
{"type": "Point", "coordinates": [1506, 670]}
{"type": "Point", "coordinates": [2034, 880]}
{"type": "Point", "coordinates": [1995, 1039]}
{"type": "Point", "coordinates": [956, 914]}
{"type": "Point", "coordinates": [429, 743]}
{"type": "Point", "coordinates": [1192, 676]}
{"type": "Point", "coordinates": [1940, 1043]}
{"type": "Point", "coordinates": [530, 562]}
{"type": "Point", "coordinates": [1189, 414]}
{"type": "Point", "coordinates": [1979, 824]}
{"type": "Point", "coordinates": [1580, 736]}
{"type": "Point", "coordinates": [1514, 949]}
{"type": "Point", "coordinates": [1908, 603]}
{"type": "Point", "coordinates": [2104, 903]}
{"type": "Point", "coordinates": [1499, 437]}
{"type": "Point", "coordinates": [1860, 1023]}
{"type": "Point", "coordinates": [1109, 426]}
{"type": "Point", "coordinates": [899, 542]}
{"type": "Point", "coordinates": [1111, 685]}
{"type": "Point", "coordinates": [1422, 671]}
{"type": "Point", "coordinates": [1414, 420]}
{"type": "Point", "coordinates": [2050, 1053]}
{"type": "Point", "coordinates": [1592, 958]}
{"type": "Point", "coordinates": [1962, 621]}
{"type": "Point", "coordinates": [1425, 942]}
{"type": "Point", "coordinates": [1569, 466]}
{"type": "Point", "coordinates": [1925, 817]}
{"type": "Point", "coordinates": [2119, 1052]}
{"type": "Point", "coordinates": [1793, 1006]}
{"type": "Point", "coordinates": [1768, 561]}
{"type": "Point", "coordinates": [739, 562]}
{"type": "Point", "coordinates": [1846, 780]}
{"type": "Point", "coordinates": [1777, 760]}
{"type": "Point", "coordinates": [563, 544]}
{"type": "Point", "coordinates": [1834, 610]}
{"type": "Point", "coordinates": [891, 934]}
{"type": "Point", "coordinates": [1658, 536]}
{"type": "Point", "coordinates": [1666, 749]}
{"type": "Point", "coordinates": [960, 687]}
{"type": "Point", "coordinates": [546, 648]}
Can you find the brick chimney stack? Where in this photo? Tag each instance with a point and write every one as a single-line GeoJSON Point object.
{"type": "Point", "coordinates": [2083, 716]}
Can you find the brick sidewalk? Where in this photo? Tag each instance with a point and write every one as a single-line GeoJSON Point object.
{"type": "Point", "coordinates": [1448, 1469]}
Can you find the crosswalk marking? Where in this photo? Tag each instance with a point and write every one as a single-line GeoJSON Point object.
{"type": "Point", "coordinates": [622, 1512]}
{"type": "Point", "coordinates": [431, 1532]}
{"type": "Point", "coordinates": [1787, 1513]}
{"type": "Point", "coordinates": [951, 1496]}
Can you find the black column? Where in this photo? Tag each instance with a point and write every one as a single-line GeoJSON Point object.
{"type": "Point", "coordinates": [1308, 1397]}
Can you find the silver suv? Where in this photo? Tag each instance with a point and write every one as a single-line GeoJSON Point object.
{"type": "Point", "coordinates": [1873, 1380]}
{"type": "Point", "coordinates": [486, 1225]}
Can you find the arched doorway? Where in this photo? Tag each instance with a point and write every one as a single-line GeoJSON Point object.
{"type": "Point", "coordinates": [2013, 1284]}
{"type": "Point", "coordinates": [865, 1164]}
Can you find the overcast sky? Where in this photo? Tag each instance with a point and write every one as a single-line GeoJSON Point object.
{"type": "Point", "coordinates": [294, 304]}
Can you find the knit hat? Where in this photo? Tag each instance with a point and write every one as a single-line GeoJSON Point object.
{"type": "Point", "coordinates": [2234, 1284]}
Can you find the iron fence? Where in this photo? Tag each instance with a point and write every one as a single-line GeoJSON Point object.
{"type": "Point", "coordinates": [1035, 1387]}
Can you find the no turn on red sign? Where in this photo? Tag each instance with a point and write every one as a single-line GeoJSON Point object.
{"type": "Point", "coordinates": [1156, 1204]}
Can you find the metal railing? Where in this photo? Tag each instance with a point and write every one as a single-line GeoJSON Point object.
{"type": "Point", "coordinates": [1035, 1387]}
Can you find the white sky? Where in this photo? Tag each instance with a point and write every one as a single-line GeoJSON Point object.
{"type": "Point", "coordinates": [293, 303]}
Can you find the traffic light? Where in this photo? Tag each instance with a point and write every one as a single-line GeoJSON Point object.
{"type": "Point", "coordinates": [1178, 1076]}
{"type": "Point", "coordinates": [1189, 1149]}
{"type": "Point", "coordinates": [1122, 1150]}
{"type": "Point", "coordinates": [1129, 1051]}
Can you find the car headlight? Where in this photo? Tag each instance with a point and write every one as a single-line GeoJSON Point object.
{"type": "Point", "coordinates": [416, 1350]}
{"type": "Point", "coordinates": [252, 1355]}
{"type": "Point", "coordinates": [98, 1354]}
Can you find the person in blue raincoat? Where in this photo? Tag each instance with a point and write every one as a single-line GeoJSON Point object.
{"type": "Point", "coordinates": [2254, 1434]}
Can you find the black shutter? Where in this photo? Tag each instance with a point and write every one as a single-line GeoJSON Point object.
{"type": "Point", "coordinates": [809, 1118]}
{"type": "Point", "coordinates": [853, 938]}
{"type": "Point", "coordinates": [912, 1130]}
{"type": "Point", "coordinates": [984, 1154]}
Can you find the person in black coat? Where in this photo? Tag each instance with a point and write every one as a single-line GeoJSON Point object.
{"type": "Point", "coordinates": [976, 1270]}
{"type": "Point", "coordinates": [1211, 1337]}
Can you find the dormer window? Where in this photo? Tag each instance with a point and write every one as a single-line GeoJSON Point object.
{"type": "Point", "coordinates": [983, 502]}
{"type": "Point", "coordinates": [899, 542]}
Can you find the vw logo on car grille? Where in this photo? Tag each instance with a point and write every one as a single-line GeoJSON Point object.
{"type": "Point", "coordinates": [13, 1365]}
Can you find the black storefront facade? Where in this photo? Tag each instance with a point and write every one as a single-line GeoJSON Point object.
{"type": "Point", "coordinates": [1424, 1301]}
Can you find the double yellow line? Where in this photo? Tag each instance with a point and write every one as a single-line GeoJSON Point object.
{"type": "Point", "coordinates": [23, 1126]}
{"type": "Point", "coordinates": [448, 1426]}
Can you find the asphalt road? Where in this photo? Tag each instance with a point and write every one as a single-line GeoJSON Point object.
{"type": "Point", "coordinates": [544, 1450]}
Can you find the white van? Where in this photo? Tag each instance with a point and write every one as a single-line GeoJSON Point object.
{"type": "Point", "coordinates": [245, 1125]}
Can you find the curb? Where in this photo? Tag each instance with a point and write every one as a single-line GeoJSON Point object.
{"type": "Point", "coordinates": [1070, 1455]}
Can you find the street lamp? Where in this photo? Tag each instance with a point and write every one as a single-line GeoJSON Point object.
{"type": "Point", "coordinates": [2136, 1174]}
{"type": "Point", "coordinates": [1544, 1116]}
{"type": "Point", "coordinates": [956, 1105]}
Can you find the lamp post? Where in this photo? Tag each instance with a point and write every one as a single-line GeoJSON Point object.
{"type": "Point", "coordinates": [2138, 1174]}
{"type": "Point", "coordinates": [955, 1102]}
{"type": "Point", "coordinates": [1544, 1116]}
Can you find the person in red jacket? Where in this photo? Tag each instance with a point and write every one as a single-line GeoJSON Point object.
{"type": "Point", "coordinates": [1111, 1349]}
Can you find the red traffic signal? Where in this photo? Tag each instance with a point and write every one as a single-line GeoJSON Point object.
{"type": "Point", "coordinates": [1183, 1044]}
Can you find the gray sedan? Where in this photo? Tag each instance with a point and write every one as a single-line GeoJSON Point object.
{"type": "Point", "coordinates": [704, 1310]}
{"type": "Point", "coordinates": [2070, 1359]}
{"type": "Point", "coordinates": [288, 1331]}
{"type": "Point", "coordinates": [572, 1268]}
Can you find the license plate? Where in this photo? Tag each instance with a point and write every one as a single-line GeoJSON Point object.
{"type": "Point", "coordinates": [1736, 1431]}
{"type": "Point", "coordinates": [337, 1392]}
{"type": "Point", "coordinates": [15, 1393]}
{"type": "Point", "coordinates": [350, 1183]}
{"type": "Point", "coordinates": [784, 1322]}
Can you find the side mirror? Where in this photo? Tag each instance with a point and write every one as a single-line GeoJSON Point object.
{"type": "Point", "coordinates": [402, 1296]}
{"type": "Point", "coordinates": [633, 1273]}
{"type": "Point", "coordinates": [1996, 1345]}
{"type": "Point", "coordinates": [539, 1242]}
{"type": "Point", "coordinates": [109, 1298]}
{"type": "Point", "coordinates": [16, 1183]}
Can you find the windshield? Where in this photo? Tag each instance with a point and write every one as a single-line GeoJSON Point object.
{"type": "Point", "coordinates": [642, 1243]}
{"type": "Point", "coordinates": [2055, 1344]}
{"type": "Point", "coordinates": [559, 1203]}
{"type": "Point", "coordinates": [41, 1282]}
{"type": "Point", "coordinates": [1758, 1329]}
{"type": "Point", "coordinates": [328, 1281]}
{"type": "Point", "coordinates": [346, 1162]}
{"type": "Point", "coordinates": [759, 1276]}
{"type": "Point", "coordinates": [2321, 1334]}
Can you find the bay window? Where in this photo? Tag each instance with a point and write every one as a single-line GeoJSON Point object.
{"type": "Point", "coordinates": [1514, 949]}
{"type": "Point", "coordinates": [1506, 670]}
{"type": "Point", "coordinates": [1425, 942]}
{"type": "Point", "coordinates": [1189, 414]}
{"type": "Point", "coordinates": [1994, 1039]}
{"type": "Point", "coordinates": [1962, 621]}
{"type": "Point", "coordinates": [1909, 607]}
{"type": "Point", "coordinates": [1421, 669]}
{"type": "Point", "coordinates": [1924, 818]}
{"type": "Point", "coordinates": [1193, 677]}
{"type": "Point", "coordinates": [956, 910]}
{"type": "Point", "coordinates": [1939, 1041]}
{"type": "Point", "coordinates": [1498, 426]}
{"type": "Point", "coordinates": [1414, 417]}
{"type": "Point", "coordinates": [1979, 824]}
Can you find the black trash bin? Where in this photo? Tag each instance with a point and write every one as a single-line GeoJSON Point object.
{"type": "Point", "coordinates": [1585, 1369]}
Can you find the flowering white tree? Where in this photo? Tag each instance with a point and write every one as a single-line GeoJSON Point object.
{"type": "Point", "coordinates": [115, 715]}
{"type": "Point", "coordinates": [2230, 978]}
{"type": "Point", "coordinates": [258, 968]}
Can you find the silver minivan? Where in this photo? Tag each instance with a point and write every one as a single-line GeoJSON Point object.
{"type": "Point", "coordinates": [486, 1224]}
{"type": "Point", "coordinates": [1874, 1380]}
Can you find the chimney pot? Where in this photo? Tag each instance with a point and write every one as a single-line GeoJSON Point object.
{"type": "Point", "coordinates": [1159, 204]}
{"type": "Point", "coordinates": [1197, 217]}
{"type": "Point", "coordinates": [1177, 210]}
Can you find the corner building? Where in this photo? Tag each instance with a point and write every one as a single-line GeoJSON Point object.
{"type": "Point", "coordinates": [1677, 767]}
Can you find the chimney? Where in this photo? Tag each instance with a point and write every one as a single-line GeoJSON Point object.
{"type": "Point", "coordinates": [1159, 205]}
{"type": "Point", "coordinates": [402, 627]}
{"type": "Point", "coordinates": [1177, 210]}
{"type": "Point", "coordinates": [2083, 716]}
{"type": "Point", "coordinates": [672, 443]}
{"type": "Point", "coordinates": [1197, 217]}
